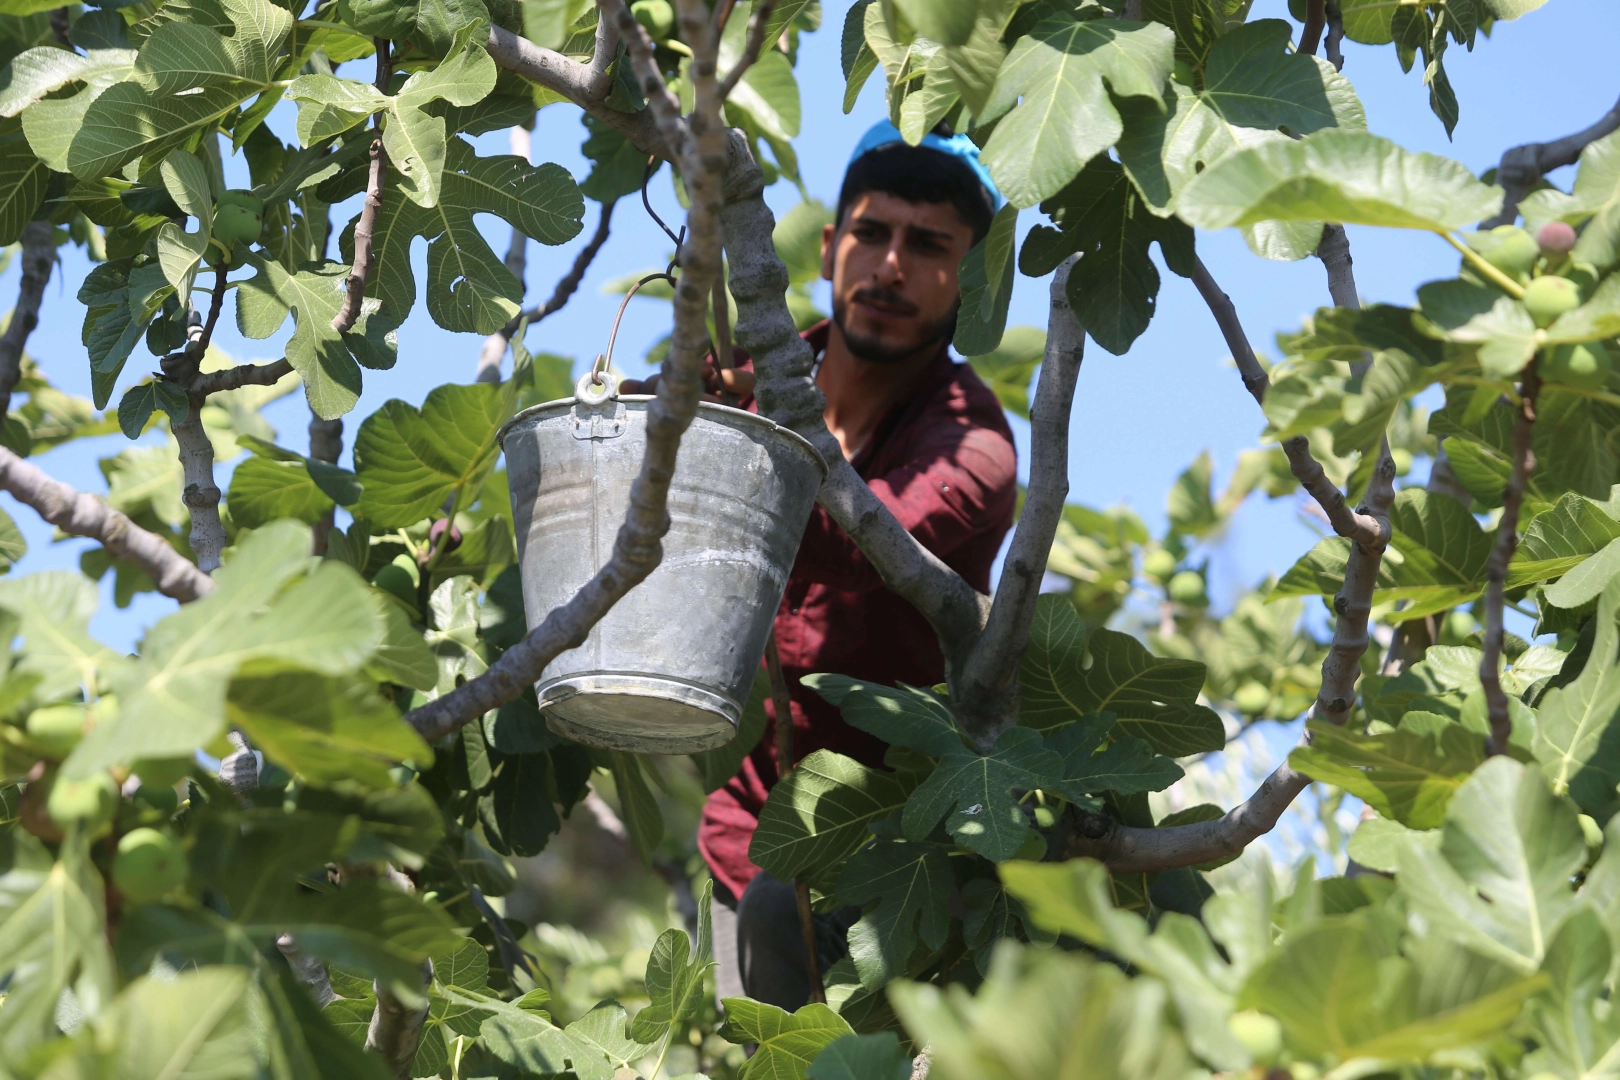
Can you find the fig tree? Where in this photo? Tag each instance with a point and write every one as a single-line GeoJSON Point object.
{"type": "Point", "coordinates": [158, 798]}
{"type": "Point", "coordinates": [164, 772]}
{"type": "Point", "coordinates": [1548, 297]}
{"type": "Point", "coordinates": [1585, 366]}
{"type": "Point", "coordinates": [436, 532]}
{"type": "Point", "coordinates": [1459, 625]}
{"type": "Point", "coordinates": [238, 218]}
{"type": "Point", "coordinates": [655, 16]}
{"type": "Point", "coordinates": [1556, 239]}
{"type": "Point", "coordinates": [1159, 565]}
{"type": "Point", "coordinates": [90, 802]}
{"type": "Point", "coordinates": [149, 865]}
{"type": "Point", "coordinates": [1033, 848]}
{"type": "Point", "coordinates": [1252, 698]}
{"type": "Point", "coordinates": [1511, 250]}
{"type": "Point", "coordinates": [1187, 587]}
{"type": "Point", "coordinates": [396, 579]}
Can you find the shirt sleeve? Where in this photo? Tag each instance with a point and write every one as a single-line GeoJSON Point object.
{"type": "Point", "coordinates": [951, 489]}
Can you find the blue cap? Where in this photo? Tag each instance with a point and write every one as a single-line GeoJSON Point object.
{"type": "Point", "coordinates": [960, 147]}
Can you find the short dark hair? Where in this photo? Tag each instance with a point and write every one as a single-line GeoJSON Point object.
{"type": "Point", "coordinates": [919, 174]}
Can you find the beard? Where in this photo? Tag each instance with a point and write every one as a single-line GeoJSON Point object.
{"type": "Point", "coordinates": [874, 349]}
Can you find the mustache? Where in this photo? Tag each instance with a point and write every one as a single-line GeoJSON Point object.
{"type": "Point", "coordinates": [887, 298]}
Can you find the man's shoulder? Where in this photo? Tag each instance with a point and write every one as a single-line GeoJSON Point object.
{"type": "Point", "coordinates": [967, 396]}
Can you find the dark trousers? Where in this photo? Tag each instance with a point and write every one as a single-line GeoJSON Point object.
{"type": "Point", "coordinates": [759, 945]}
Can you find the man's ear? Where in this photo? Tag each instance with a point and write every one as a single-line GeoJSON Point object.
{"type": "Point", "coordinates": [829, 247]}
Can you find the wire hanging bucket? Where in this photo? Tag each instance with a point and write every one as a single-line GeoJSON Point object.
{"type": "Point", "coordinates": [667, 669]}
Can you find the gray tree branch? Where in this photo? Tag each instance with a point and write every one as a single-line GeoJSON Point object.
{"type": "Point", "coordinates": [325, 444]}
{"type": "Point", "coordinates": [81, 514]}
{"type": "Point", "coordinates": [700, 143]}
{"type": "Point", "coordinates": [1126, 849]}
{"type": "Point", "coordinates": [199, 491]}
{"type": "Point", "coordinates": [365, 229]}
{"type": "Point", "coordinates": [751, 47]}
{"type": "Point", "coordinates": [38, 256]}
{"type": "Point", "coordinates": [1522, 167]}
{"type": "Point", "coordinates": [234, 378]}
{"type": "Point", "coordinates": [985, 693]}
{"type": "Point", "coordinates": [1507, 541]}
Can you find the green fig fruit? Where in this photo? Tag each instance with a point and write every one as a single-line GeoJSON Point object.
{"type": "Point", "coordinates": [90, 802]}
{"type": "Point", "coordinates": [1511, 250]}
{"type": "Point", "coordinates": [1459, 626]}
{"type": "Point", "coordinates": [1261, 1035]}
{"type": "Point", "coordinates": [1556, 239]}
{"type": "Point", "coordinates": [1033, 849]}
{"type": "Point", "coordinates": [1586, 366]}
{"type": "Point", "coordinates": [397, 580]}
{"type": "Point", "coordinates": [57, 727]}
{"type": "Point", "coordinates": [149, 865]}
{"type": "Point", "coordinates": [158, 798]}
{"type": "Point", "coordinates": [236, 224]}
{"type": "Point", "coordinates": [1187, 587]}
{"type": "Point", "coordinates": [1159, 565]}
{"type": "Point", "coordinates": [1548, 297]}
{"type": "Point", "coordinates": [1252, 698]}
{"type": "Point", "coordinates": [655, 16]}
{"type": "Point", "coordinates": [1592, 832]}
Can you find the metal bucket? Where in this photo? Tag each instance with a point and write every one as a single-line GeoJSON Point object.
{"type": "Point", "coordinates": [667, 669]}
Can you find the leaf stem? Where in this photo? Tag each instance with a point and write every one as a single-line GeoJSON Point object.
{"type": "Point", "coordinates": [1491, 273]}
{"type": "Point", "coordinates": [320, 24]}
{"type": "Point", "coordinates": [669, 1039]}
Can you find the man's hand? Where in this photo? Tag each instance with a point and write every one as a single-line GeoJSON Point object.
{"type": "Point", "coordinates": [715, 382]}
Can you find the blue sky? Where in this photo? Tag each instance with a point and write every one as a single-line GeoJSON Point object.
{"type": "Point", "coordinates": [1139, 419]}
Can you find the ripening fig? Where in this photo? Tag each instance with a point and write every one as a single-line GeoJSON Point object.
{"type": "Point", "coordinates": [1459, 626]}
{"type": "Point", "coordinates": [1585, 366]}
{"type": "Point", "coordinates": [149, 865]}
{"type": "Point", "coordinates": [1260, 1034]}
{"type": "Point", "coordinates": [57, 727]}
{"type": "Point", "coordinates": [1548, 297]}
{"type": "Point", "coordinates": [238, 218]}
{"type": "Point", "coordinates": [1187, 587]}
{"type": "Point", "coordinates": [655, 16]}
{"type": "Point", "coordinates": [1512, 251]}
{"type": "Point", "coordinates": [90, 802]}
{"type": "Point", "coordinates": [1033, 848]}
{"type": "Point", "coordinates": [1252, 698]}
{"type": "Point", "coordinates": [436, 532]}
{"type": "Point", "coordinates": [1556, 239]}
{"type": "Point", "coordinates": [1159, 565]}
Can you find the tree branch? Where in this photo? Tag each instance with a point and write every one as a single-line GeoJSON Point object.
{"type": "Point", "coordinates": [1507, 541]}
{"type": "Point", "coordinates": [38, 256]}
{"type": "Point", "coordinates": [575, 81]}
{"type": "Point", "coordinates": [1334, 251]}
{"type": "Point", "coordinates": [985, 694]}
{"type": "Point", "coordinates": [81, 514]}
{"type": "Point", "coordinates": [788, 395]}
{"type": "Point", "coordinates": [751, 48]}
{"type": "Point", "coordinates": [494, 350]}
{"type": "Point", "coordinates": [234, 378]}
{"type": "Point", "coordinates": [308, 970]}
{"type": "Point", "coordinates": [638, 547]}
{"type": "Point", "coordinates": [1522, 167]}
{"type": "Point", "coordinates": [1127, 849]}
{"type": "Point", "coordinates": [1310, 36]}
{"type": "Point", "coordinates": [1335, 35]}
{"type": "Point", "coordinates": [325, 444]}
{"type": "Point", "coordinates": [396, 1026]}
{"type": "Point", "coordinates": [365, 230]}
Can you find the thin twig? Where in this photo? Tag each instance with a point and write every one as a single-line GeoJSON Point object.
{"type": "Point", "coordinates": [494, 350]}
{"type": "Point", "coordinates": [60, 26]}
{"type": "Point", "coordinates": [1522, 167]}
{"type": "Point", "coordinates": [985, 694]}
{"type": "Point", "coordinates": [755, 42]}
{"type": "Point", "coordinates": [701, 155]}
{"type": "Point", "coordinates": [1335, 35]}
{"type": "Point", "coordinates": [81, 514]}
{"type": "Point", "coordinates": [1315, 20]}
{"type": "Point", "coordinates": [1507, 541]}
{"type": "Point", "coordinates": [38, 256]}
{"type": "Point", "coordinates": [365, 230]}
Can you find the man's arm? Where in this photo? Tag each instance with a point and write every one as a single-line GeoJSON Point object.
{"type": "Point", "coordinates": [959, 483]}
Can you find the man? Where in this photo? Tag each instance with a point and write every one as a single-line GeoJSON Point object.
{"type": "Point", "coordinates": [931, 440]}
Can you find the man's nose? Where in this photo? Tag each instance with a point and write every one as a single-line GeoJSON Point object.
{"type": "Point", "coordinates": [890, 270]}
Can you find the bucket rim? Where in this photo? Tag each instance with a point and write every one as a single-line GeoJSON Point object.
{"type": "Point", "coordinates": [725, 412]}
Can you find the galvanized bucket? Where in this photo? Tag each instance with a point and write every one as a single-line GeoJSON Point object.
{"type": "Point", "coordinates": [667, 670]}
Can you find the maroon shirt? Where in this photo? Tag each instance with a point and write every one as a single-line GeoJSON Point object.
{"type": "Point", "coordinates": [942, 460]}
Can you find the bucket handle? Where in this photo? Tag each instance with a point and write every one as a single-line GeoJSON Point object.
{"type": "Point", "coordinates": [596, 387]}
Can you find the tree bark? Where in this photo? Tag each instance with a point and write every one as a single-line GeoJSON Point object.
{"type": "Point", "coordinates": [1507, 541]}
{"type": "Point", "coordinates": [985, 693]}
{"type": "Point", "coordinates": [38, 256]}
{"type": "Point", "coordinates": [1522, 167]}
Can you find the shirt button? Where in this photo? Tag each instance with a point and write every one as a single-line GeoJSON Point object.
{"type": "Point", "coordinates": [794, 610]}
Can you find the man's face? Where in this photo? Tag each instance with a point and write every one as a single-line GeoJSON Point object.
{"type": "Point", "coordinates": [893, 267]}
